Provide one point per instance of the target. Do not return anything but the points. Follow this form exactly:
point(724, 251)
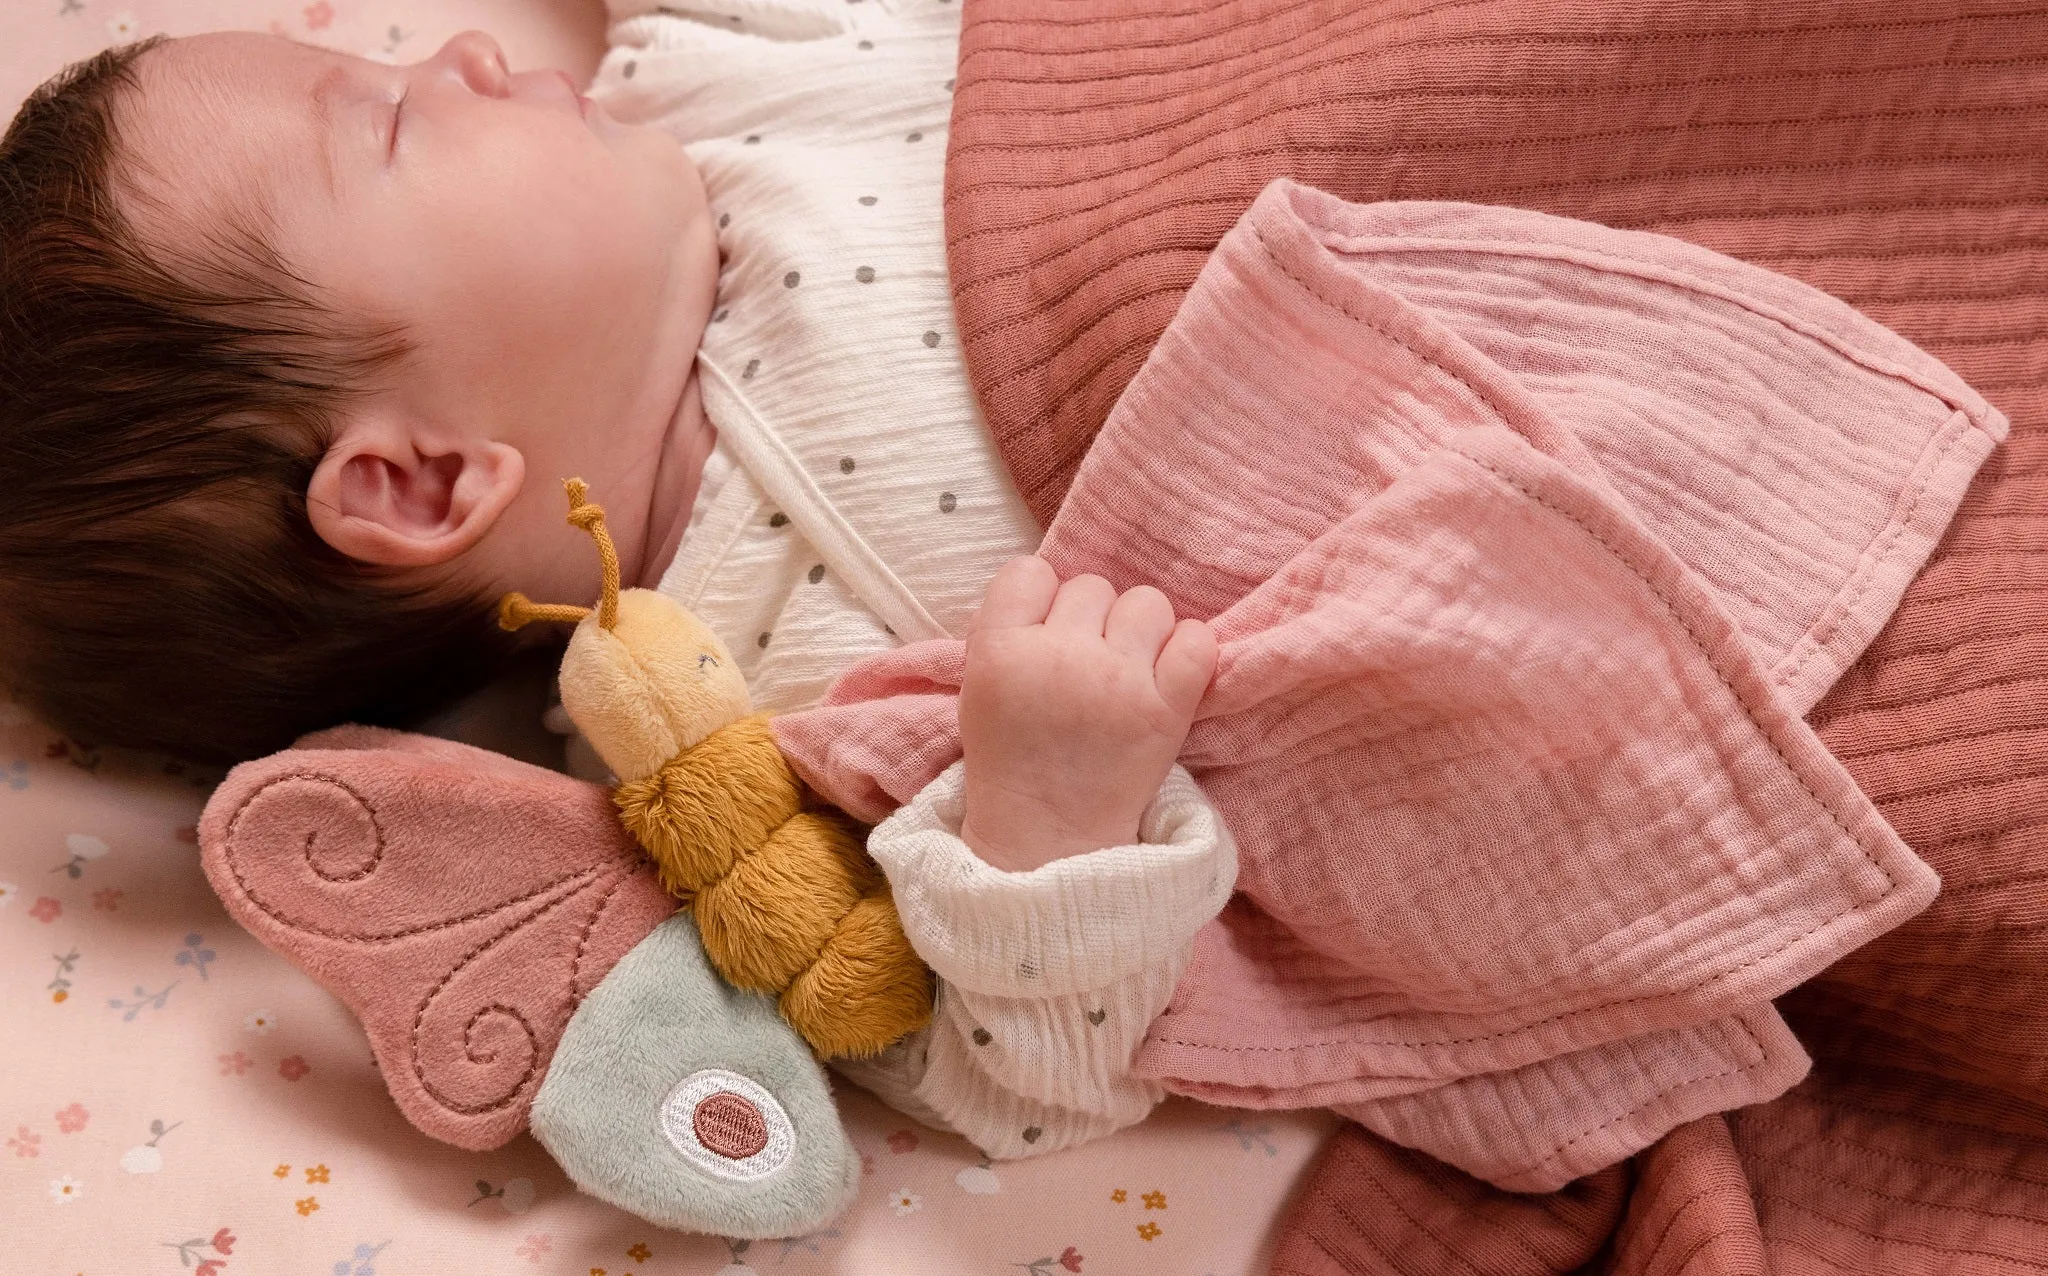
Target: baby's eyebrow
point(322, 105)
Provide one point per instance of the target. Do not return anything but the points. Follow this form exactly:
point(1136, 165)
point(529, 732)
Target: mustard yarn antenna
point(516, 610)
point(590, 517)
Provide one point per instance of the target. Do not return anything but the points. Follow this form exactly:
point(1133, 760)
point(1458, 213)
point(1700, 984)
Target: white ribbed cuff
point(1073, 925)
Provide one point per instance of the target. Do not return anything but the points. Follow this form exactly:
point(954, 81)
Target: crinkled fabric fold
point(1529, 543)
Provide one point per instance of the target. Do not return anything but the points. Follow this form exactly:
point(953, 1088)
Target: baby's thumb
point(1185, 666)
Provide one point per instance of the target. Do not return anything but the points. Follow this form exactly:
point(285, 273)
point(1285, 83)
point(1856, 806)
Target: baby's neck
point(676, 477)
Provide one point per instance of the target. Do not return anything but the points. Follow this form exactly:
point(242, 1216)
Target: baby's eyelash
point(396, 112)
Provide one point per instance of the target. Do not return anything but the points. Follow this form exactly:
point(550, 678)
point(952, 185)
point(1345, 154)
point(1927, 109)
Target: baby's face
point(552, 268)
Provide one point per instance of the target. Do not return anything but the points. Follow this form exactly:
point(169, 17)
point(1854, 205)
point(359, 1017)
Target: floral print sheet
point(175, 1098)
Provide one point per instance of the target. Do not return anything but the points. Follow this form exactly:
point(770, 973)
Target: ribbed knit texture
point(1890, 153)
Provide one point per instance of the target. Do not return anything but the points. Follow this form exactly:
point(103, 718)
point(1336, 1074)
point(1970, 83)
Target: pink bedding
point(173, 1095)
point(1529, 544)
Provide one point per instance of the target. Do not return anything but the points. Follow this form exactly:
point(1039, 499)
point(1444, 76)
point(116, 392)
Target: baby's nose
point(478, 60)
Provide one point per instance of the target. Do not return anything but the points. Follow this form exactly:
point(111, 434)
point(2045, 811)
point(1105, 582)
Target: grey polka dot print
point(753, 366)
point(627, 70)
point(931, 338)
point(948, 502)
point(778, 519)
point(866, 274)
point(915, 137)
point(753, 139)
point(865, 45)
point(869, 200)
point(792, 279)
point(724, 220)
point(846, 465)
point(762, 641)
point(817, 573)
point(981, 1037)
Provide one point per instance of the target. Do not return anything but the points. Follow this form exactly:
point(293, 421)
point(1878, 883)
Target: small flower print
point(259, 1022)
point(107, 899)
point(72, 1119)
point(143, 1158)
point(292, 1067)
point(60, 987)
point(1155, 1200)
point(281, 1172)
point(516, 1196)
point(46, 910)
point(979, 1180)
point(809, 1242)
point(359, 1263)
point(905, 1202)
point(319, 15)
point(152, 999)
point(306, 1205)
point(1068, 1258)
point(316, 1174)
point(1148, 1231)
point(903, 1142)
point(1118, 1196)
point(8, 890)
point(65, 1190)
point(1251, 1136)
point(26, 1143)
point(82, 847)
point(640, 1253)
point(536, 1247)
point(195, 954)
point(234, 1065)
point(121, 26)
point(189, 1252)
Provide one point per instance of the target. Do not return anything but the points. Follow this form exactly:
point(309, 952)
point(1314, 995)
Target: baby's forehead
point(219, 119)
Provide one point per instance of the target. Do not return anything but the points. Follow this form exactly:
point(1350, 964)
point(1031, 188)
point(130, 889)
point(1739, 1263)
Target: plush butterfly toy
point(511, 941)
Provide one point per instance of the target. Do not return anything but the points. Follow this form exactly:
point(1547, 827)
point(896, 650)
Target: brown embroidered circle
point(730, 1125)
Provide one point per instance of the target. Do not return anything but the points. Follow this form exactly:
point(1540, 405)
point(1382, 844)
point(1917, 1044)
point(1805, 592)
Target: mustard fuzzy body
point(787, 900)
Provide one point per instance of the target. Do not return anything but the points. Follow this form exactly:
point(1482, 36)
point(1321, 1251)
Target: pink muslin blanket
point(1529, 543)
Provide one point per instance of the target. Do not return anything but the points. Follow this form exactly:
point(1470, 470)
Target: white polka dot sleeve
point(1049, 979)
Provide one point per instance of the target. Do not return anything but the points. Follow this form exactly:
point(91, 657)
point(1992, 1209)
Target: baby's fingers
point(1139, 624)
point(1020, 594)
point(1185, 666)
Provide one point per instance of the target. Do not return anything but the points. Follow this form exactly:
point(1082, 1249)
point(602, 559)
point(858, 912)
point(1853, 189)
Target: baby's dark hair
point(160, 583)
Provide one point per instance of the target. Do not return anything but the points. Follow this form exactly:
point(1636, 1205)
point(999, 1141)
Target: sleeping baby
point(299, 347)
point(1524, 546)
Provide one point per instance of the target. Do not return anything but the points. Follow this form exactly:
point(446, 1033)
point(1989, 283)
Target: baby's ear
point(393, 494)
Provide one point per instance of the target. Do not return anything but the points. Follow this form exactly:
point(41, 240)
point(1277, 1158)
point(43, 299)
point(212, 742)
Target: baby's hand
point(1073, 706)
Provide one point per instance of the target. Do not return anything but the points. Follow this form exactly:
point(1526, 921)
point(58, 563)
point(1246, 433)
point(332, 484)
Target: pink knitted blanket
point(1530, 543)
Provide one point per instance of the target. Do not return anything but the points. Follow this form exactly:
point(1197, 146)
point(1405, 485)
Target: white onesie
point(855, 501)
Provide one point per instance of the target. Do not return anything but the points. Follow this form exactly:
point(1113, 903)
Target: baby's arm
point(1060, 936)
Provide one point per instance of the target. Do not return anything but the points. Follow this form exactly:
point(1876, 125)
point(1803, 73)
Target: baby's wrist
point(1018, 836)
